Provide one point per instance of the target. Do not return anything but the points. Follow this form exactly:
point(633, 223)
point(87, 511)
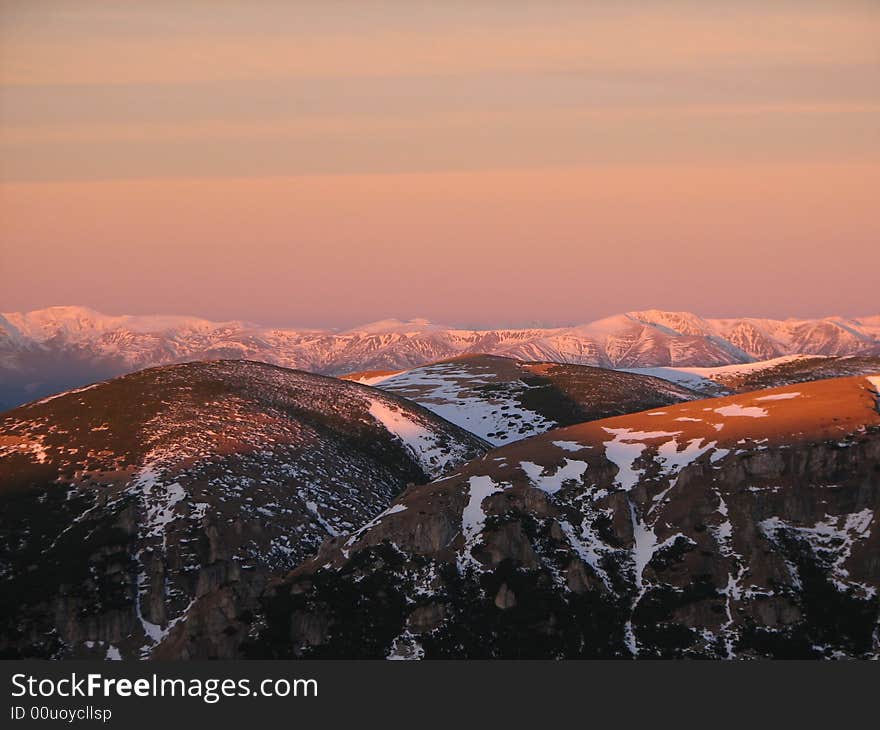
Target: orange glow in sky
point(476, 163)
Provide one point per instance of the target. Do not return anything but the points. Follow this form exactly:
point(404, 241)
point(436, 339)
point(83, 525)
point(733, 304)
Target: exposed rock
point(505, 598)
point(426, 618)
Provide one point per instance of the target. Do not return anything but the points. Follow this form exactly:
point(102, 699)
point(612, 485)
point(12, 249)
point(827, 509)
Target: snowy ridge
point(503, 400)
point(30, 342)
point(471, 396)
point(430, 447)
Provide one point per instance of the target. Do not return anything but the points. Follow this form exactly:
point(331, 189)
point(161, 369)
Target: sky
point(474, 163)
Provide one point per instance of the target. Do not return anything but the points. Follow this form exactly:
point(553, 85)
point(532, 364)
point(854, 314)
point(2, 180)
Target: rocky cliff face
point(744, 526)
point(122, 503)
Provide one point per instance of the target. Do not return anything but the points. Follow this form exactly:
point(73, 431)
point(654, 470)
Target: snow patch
point(625, 449)
point(736, 409)
point(831, 539)
point(328, 528)
point(158, 499)
point(426, 446)
point(473, 518)
point(569, 445)
point(66, 392)
point(779, 396)
point(645, 547)
point(471, 398)
point(552, 483)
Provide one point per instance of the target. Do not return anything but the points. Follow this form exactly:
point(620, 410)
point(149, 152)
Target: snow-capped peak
point(113, 345)
point(395, 326)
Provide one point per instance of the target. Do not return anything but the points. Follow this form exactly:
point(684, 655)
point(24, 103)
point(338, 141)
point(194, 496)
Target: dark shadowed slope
point(503, 400)
point(740, 527)
point(123, 501)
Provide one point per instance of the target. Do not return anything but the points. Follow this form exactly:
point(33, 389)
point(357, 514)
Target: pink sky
point(477, 163)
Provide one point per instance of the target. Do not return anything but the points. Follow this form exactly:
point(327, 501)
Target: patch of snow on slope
point(425, 445)
point(625, 449)
point(552, 483)
point(735, 409)
point(674, 460)
point(159, 500)
point(569, 446)
point(779, 396)
point(454, 392)
point(718, 455)
point(328, 528)
point(831, 539)
point(473, 518)
point(33, 446)
point(706, 379)
point(645, 547)
point(66, 392)
point(406, 647)
point(589, 546)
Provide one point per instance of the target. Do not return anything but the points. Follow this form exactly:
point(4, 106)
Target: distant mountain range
point(49, 350)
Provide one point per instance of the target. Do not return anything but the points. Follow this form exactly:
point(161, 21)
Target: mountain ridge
point(48, 350)
point(503, 400)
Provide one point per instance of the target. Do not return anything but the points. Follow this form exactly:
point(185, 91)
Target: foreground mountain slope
point(741, 527)
point(46, 350)
point(123, 501)
point(785, 370)
point(503, 400)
